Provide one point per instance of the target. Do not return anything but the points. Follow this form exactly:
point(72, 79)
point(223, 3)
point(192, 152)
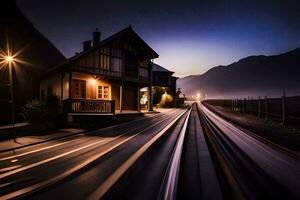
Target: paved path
point(33, 168)
point(9, 144)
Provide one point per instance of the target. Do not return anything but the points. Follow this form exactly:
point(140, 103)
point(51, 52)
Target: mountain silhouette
point(252, 76)
point(38, 53)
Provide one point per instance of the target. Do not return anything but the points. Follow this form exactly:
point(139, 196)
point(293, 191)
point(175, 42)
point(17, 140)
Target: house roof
point(158, 68)
point(125, 31)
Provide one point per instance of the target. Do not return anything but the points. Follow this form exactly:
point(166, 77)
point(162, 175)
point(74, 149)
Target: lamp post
point(9, 60)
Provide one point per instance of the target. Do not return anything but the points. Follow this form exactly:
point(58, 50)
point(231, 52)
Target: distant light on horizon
point(198, 96)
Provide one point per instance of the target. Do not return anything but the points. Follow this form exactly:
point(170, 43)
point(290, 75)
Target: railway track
point(177, 165)
point(198, 159)
point(252, 169)
point(183, 154)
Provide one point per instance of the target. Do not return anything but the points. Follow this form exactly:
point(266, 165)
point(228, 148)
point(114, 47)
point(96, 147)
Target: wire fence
point(284, 109)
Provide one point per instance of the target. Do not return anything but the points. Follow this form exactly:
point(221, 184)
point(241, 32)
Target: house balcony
point(97, 71)
point(89, 106)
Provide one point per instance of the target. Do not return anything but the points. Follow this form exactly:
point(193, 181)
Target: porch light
point(92, 81)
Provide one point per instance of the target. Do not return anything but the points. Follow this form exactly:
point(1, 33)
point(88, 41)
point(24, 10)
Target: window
point(116, 66)
point(104, 62)
point(104, 58)
point(116, 62)
point(144, 73)
point(131, 64)
point(78, 88)
point(116, 52)
point(103, 92)
point(162, 78)
point(144, 63)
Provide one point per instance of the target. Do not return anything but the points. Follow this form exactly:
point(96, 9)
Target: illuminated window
point(78, 89)
point(103, 92)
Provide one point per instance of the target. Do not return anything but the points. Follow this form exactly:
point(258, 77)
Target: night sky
point(189, 36)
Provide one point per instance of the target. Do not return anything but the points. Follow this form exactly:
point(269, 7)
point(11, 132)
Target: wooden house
point(105, 78)
point(162, 77)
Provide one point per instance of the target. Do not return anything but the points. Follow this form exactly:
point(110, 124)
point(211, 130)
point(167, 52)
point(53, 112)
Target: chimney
point(96, 37)
point(87, 45)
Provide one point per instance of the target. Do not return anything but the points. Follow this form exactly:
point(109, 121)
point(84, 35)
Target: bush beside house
point(42, 111)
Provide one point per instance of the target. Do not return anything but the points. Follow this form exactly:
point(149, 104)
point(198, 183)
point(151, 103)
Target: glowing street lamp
point(10, 59)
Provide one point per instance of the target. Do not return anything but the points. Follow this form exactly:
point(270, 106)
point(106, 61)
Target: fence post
point(241, 102)
point(113, 110)
point(283, 108)
point(248, 106)
point(235, 105)
point(259, 107)
point(266, 107)
point(251, 105)
point(245, 105)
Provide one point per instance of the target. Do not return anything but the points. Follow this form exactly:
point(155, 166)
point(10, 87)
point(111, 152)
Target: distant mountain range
point(252, 76)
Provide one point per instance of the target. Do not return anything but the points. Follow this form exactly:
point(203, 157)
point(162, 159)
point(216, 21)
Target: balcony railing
point(89, 106)
point(97, 71)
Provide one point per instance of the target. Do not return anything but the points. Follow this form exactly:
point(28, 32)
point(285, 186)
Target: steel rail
point(170, 183)
point(113, 178)
point(251, 179)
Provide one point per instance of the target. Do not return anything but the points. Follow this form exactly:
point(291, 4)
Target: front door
point(129, 98)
